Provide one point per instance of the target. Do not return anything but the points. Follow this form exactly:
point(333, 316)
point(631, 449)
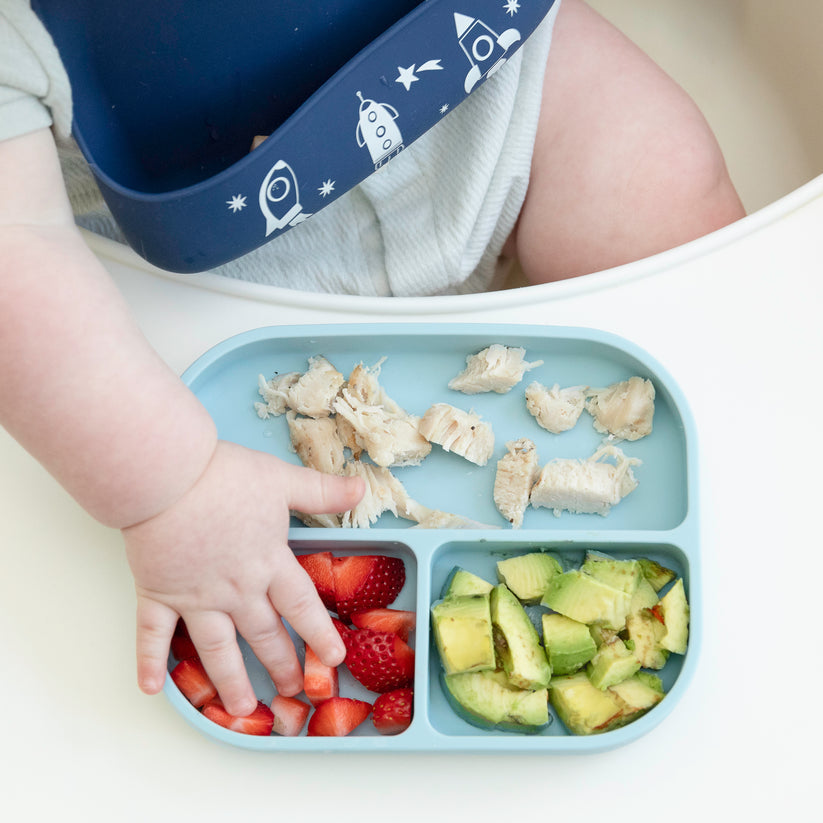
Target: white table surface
point(736, 321)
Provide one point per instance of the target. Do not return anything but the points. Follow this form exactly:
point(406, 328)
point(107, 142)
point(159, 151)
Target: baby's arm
point(204, 522)
point(625, 166)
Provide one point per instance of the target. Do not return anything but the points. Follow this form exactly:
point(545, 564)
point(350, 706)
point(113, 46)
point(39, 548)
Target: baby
point(605, 162)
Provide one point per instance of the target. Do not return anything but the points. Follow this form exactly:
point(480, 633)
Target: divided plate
point(658, 520)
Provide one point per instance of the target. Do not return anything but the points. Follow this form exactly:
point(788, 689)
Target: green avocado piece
point(624, 575)
point(569, 645)
point(588, 600)
point(644, 597)
point(674, 608)
point(582, 707)
point(657, 574)
point(613, 663)
point(528, 575)
point(462, 581)
point(646, 632)
point(462, 629)
point(516, 641)
point(485, 700)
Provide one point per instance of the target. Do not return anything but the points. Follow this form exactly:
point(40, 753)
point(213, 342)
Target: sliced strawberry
point(381, 661)
point(392, 712)
point(290, 715)
point(320, 682)
point(191, 678)
point(338, 717)
point(341, 627)
point(259, 722)
point(397, 621)
point(181, 644)
point(366, 582)
point(318, 566)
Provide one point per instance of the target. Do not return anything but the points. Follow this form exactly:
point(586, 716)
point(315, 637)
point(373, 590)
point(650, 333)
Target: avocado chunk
point(624, 575)
point(462, 630)
point(461, 581)
point(569, 645)
point(584, 598)
point(582, 707)
point(613, 663)
point(646, 631)
point(484, 700)
point(638, 693)
point(674, 608)
point(528, 575)
point(658, 575)
point(516, 641)
point(644, 597)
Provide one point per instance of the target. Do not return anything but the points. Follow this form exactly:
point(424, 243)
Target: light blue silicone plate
point(658, 520)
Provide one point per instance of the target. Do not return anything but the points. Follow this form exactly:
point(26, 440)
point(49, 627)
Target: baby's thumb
point(314, 492)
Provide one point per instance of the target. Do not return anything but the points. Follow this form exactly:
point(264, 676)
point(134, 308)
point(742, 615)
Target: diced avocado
point(484, 700)
point(569, 644)
point(462, 630)
point(619, 574)
point(674, 608)
point(584, 598)
point(583, 708)
point(646, 632)
point(659, 576)
point(461, 581)
point(516, 641)
point(601, 635)
point(640, 692)
point(528, 575)
point(613, 663)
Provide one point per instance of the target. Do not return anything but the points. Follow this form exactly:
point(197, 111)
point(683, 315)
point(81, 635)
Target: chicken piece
point(556, 410)
point(363, 384)
point(497, 368)
point(317, 442)
point(589, 486)
point(623, 410)
point(458, 431)
point(384, 492)
point(436, 519)
point(389, 440)
point(319, 521)
point(314, 393)
point(516, 472)
point(275, 394)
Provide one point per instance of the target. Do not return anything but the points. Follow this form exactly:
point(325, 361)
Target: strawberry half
point(320, 682)
point(397, 621)
point(380, 661)
point(290, 715)
point(318, 566)
point(338, 717)
point(181, 644)
point(259, 722)
point(366, 581)
point(392, 712)
point(190, 677)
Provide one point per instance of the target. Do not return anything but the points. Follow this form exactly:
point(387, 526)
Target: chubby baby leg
point(625, 165)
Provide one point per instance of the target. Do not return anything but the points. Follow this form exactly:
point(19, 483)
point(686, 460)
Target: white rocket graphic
point(377, 130)
point(485, 49)
point(279, 198)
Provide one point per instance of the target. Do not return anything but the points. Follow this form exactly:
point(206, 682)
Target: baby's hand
point(219, 559)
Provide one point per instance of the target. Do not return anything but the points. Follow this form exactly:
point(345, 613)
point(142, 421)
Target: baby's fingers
point(314, 492)
point(215, 639)
point(155, 627)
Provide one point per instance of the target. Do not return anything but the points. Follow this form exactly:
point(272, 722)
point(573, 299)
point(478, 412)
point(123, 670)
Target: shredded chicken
point(314, 393)
point(317, 442)
point(590, 486)
point(624, 410)
point(516, 472)
point(556, 410)
point(497, 368)
point(458, 431)
point(384, 492)
point(275, 394)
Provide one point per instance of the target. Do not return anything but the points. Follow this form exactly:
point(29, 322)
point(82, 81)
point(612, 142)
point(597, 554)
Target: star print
point(511, 7)
point(406, 76)
point(327, 188)
point(444, 108)
point(237, 203)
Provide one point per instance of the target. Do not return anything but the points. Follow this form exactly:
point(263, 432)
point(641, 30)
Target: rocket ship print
point(279, 198)
point(485, 49)
point(378, 131)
